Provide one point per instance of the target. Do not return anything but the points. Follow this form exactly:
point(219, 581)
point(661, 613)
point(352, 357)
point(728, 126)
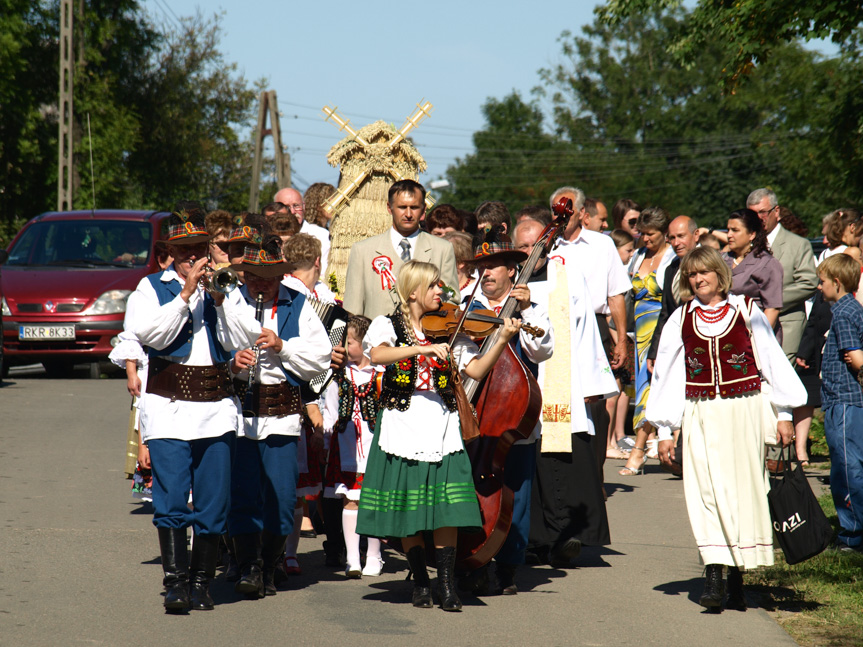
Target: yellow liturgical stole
point(557, 386)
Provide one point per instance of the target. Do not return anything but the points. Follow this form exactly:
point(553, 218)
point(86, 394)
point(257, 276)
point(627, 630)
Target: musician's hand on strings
point(521, 293)
point(193, 279)
point(243, 360)
point(509, 329)
point(269, 339)
point(441, 351)
point(339, 358)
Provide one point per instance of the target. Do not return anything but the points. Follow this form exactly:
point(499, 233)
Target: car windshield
point(83, 243)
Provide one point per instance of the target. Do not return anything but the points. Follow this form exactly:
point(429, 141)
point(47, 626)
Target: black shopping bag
point(801, 526)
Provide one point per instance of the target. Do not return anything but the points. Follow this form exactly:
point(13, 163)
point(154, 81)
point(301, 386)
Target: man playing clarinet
point(282, 344)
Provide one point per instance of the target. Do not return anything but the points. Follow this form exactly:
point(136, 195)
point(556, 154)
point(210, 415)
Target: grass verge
point(818, 602)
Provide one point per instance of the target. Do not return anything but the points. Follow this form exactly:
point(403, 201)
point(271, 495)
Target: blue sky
point(377, 60)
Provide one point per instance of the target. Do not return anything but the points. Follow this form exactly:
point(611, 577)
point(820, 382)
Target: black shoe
point(175, 566)
point(561, 556)
point(205, 553)
point(736, 600)
point(506, 579)
point(445, 558)
point(272, 555)
point(247, 549)
point(476, 582)
point(714, 588)
point(421, 596)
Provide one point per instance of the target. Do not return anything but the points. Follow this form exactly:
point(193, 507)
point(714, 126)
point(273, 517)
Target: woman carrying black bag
point(716, 353)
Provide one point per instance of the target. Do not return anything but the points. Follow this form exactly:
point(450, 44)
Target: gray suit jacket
point(799, 282)
point(363, 293)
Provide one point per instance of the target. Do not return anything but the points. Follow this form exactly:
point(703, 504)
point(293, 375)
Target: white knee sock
point(294, 538)
point(352, 539)
point(374, 549)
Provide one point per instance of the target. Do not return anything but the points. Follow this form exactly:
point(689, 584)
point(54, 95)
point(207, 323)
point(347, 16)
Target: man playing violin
point(496, 260)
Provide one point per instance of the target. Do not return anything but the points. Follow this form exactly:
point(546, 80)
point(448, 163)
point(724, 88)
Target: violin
point(477, 323)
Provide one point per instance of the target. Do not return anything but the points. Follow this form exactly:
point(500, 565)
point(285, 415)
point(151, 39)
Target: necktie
point(406, 250)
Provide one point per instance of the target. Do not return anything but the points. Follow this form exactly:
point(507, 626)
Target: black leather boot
point(476, 582)
point(714, 588)
point(422, 596)
point(445, 558)
point(205, 553)
point(232, 569)
point(736, 599)
point(272, 552)
point(506, 579)
point(175, 566)
point(247, 549)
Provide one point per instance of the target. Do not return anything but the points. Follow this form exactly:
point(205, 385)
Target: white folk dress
point(724, 477)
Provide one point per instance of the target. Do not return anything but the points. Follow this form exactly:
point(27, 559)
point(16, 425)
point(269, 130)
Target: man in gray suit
point(798, 263)
point(374, 263)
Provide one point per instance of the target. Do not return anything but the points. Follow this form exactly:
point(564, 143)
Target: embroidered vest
point(723, 364)
point(288, 311)
point(347, 400)
point(399, 379)
point(167, 291)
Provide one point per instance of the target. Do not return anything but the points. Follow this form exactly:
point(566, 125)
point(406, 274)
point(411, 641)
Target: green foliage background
point(621, 114)
point(165, 111)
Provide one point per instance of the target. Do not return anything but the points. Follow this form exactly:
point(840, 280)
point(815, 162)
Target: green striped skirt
point(402, 497)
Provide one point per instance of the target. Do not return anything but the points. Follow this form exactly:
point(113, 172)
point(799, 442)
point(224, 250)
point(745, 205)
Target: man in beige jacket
point(374, 263)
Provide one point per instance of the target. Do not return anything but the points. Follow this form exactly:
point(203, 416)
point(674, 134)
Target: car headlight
point(111, 302)
point(6, 311)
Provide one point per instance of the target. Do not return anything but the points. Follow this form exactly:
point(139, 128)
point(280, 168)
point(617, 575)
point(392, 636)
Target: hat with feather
point(263, 258)
point(186, 225)
point(497, 247)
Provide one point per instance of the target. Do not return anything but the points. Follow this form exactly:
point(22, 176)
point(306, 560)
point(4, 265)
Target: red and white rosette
point(383, 265)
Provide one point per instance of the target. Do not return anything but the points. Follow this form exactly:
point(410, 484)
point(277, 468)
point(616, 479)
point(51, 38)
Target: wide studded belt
point(269, 400)
point(189, 383)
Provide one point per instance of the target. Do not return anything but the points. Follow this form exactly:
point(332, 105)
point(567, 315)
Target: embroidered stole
point(557, 385)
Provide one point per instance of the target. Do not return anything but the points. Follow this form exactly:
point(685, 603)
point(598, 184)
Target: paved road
point(80, 560)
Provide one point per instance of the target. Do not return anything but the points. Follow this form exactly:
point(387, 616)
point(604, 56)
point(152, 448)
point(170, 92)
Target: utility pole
point(64, 138)
point(269, 106)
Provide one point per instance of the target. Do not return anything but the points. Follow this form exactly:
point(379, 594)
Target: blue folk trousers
point(843, 429)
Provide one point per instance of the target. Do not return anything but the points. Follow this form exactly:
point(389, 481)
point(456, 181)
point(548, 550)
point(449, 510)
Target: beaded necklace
point(712, 317)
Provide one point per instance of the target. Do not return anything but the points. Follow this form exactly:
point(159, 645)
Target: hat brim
point(264, 271)
point(188, 240)
point(501, 257)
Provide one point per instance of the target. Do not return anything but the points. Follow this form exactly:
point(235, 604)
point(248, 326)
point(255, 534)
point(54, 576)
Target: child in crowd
point(618, 444)
point(842, 397)
point(356, 402)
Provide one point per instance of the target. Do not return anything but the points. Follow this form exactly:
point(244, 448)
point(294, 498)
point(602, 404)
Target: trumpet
point(221, 280)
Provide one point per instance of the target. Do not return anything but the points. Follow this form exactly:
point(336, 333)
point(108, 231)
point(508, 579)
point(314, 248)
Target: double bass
point(508, 402)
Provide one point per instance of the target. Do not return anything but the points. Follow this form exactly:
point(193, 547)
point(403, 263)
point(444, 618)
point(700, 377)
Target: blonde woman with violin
point(418, 476)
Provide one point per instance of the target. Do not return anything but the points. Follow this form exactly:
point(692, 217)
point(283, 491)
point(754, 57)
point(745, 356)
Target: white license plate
point(45, 333)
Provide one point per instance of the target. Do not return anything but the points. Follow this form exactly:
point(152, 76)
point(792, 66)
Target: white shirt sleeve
point(308, 354)
point(380, 331)
point(668, 386)
point(158, 325)
point(537, 349)
point(788, 391)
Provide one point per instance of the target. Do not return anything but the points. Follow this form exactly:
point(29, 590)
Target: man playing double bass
point(496, 261)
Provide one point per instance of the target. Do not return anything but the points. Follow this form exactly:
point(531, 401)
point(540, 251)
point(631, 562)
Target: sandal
point(634, 471)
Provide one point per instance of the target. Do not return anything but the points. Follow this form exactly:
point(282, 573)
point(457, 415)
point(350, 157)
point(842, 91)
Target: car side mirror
point(4, 256)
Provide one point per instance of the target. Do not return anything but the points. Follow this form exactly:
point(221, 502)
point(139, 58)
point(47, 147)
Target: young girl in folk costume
point(418, 476)
point(715, 355)
point(354, 398)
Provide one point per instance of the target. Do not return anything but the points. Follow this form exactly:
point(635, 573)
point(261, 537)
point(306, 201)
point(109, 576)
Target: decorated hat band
point(498, 251)
point(185, 230)
point(244, 234)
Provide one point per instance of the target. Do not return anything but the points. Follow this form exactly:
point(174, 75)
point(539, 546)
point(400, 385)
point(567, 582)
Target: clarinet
point(248, 403)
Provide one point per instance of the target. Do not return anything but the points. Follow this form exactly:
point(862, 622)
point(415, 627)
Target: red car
point(65, 283)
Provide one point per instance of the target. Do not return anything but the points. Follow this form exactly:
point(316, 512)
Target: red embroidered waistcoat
point(723, 364)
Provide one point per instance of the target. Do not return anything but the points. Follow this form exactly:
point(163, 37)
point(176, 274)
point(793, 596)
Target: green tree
point(516, 160)
point(168, 116)
point(747, 32)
